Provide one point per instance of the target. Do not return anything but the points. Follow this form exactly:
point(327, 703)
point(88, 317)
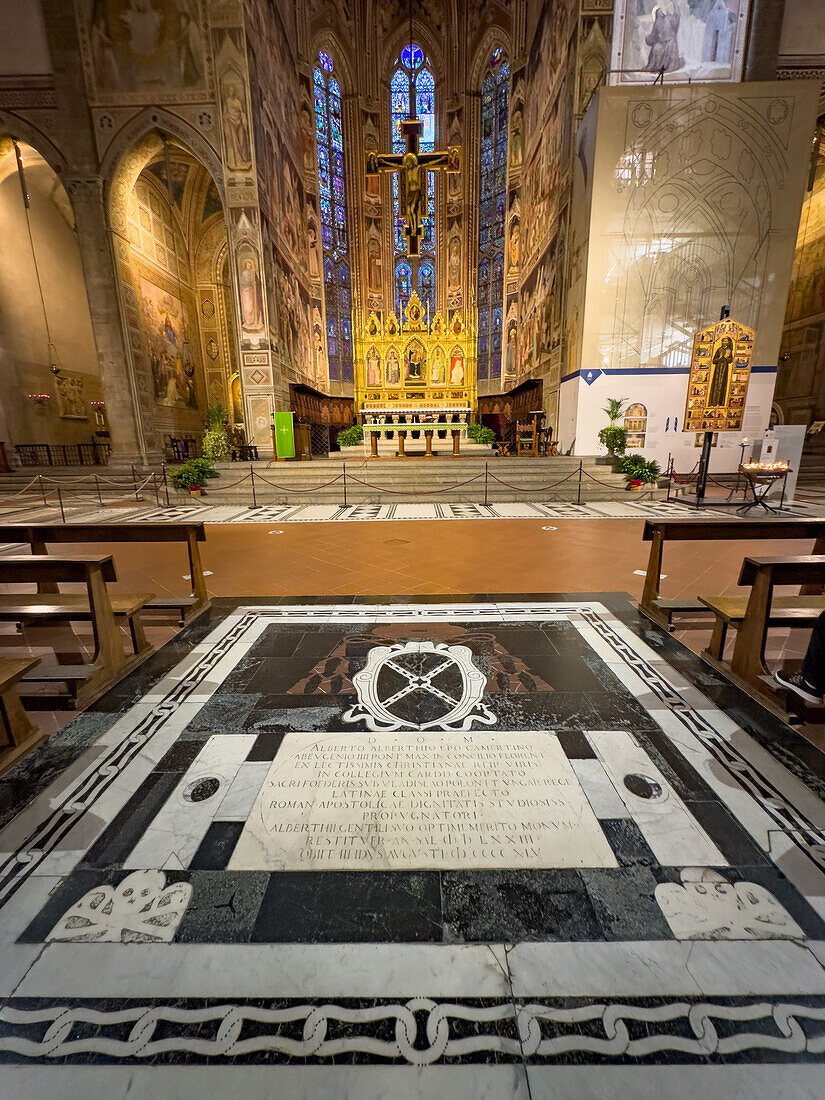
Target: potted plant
point(192, 474)
point(351, 437)
point(613, 438)
point(639, 471)
point(215, 442)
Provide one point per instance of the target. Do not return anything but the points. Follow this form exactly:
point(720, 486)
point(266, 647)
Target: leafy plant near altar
point(351, 436)
point(192, 474)
point(613, 438)
point(215, 442)
point(479, 434)
point(640, 469)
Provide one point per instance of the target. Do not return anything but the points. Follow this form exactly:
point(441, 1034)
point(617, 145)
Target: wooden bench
point(188, 607)
point(17, 734)
point(658, 532)
point(753, 615)
point(85, 682)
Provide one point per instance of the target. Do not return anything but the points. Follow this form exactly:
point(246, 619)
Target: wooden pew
point(754, 614)
point(17, 734)
point(188, 607)
point(85, 682)
point(658, 532)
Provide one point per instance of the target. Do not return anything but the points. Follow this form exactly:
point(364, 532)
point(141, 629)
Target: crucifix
point(412, 167)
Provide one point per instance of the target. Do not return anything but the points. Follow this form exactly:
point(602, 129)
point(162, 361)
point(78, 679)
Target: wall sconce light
point(98, 404)
point(39, 398)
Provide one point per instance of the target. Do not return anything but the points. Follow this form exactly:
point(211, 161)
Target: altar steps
point(467, 479)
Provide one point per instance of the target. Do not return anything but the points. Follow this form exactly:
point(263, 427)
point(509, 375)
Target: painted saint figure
point(393, 369)
point(142, 24)
point(373, 370)
point(722, 363)
point(252, 305)
point(412, 365)
point(236, 134)
point(457, 370)
point(663, 42)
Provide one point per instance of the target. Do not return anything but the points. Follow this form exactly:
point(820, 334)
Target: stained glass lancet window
point(333, 209)
point(412, 272)
point(492, 214)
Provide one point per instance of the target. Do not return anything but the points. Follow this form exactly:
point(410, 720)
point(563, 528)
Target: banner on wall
point(720, 371)
point(284, 435)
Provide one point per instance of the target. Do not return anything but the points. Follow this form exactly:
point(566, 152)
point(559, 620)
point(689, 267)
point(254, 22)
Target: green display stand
point(283, 435)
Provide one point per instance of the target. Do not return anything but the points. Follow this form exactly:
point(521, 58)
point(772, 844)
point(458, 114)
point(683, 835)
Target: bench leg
point(748, 661)
point(16, 725)
point(139, 642)
point(716, 645)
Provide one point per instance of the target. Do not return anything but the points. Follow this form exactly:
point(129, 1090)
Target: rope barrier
point(542, 489)
point(220, 488)
point(606, 484)
point(285, 489)
point(427, 492)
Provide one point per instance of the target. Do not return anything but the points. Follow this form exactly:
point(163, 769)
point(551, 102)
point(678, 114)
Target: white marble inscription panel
point(409, 801)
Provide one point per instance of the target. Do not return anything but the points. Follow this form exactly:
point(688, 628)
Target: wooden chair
point(526, 441)
point(188, 607)
point(658, 532)
point(85, 681)
point(17, 734)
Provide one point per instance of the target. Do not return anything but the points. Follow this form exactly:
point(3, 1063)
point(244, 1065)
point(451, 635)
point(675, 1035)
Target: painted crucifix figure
point(412, 167)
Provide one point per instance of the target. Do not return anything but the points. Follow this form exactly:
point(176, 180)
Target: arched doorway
point(50, 386)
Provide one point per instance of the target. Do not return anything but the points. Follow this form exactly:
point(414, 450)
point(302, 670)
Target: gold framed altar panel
point(415, 364)
point(720, 372)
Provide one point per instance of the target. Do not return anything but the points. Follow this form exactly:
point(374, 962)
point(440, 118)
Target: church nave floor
point(494, 847)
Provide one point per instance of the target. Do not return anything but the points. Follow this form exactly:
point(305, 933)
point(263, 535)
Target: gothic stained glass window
point(333, 211)
point(412, 61)
point(492, 214)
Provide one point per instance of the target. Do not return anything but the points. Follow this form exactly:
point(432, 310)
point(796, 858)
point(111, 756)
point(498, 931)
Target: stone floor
point(493, 846)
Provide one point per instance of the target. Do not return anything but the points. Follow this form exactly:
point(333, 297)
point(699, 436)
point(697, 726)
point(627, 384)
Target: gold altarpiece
point(416, 366)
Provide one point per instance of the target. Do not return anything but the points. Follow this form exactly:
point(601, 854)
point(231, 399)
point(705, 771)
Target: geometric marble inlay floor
point(496, 846)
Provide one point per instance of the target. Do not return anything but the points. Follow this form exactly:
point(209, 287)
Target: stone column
point(84, 185)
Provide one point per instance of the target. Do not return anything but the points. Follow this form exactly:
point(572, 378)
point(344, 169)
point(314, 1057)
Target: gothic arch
point(137, 143)
point(328, 41)
point(494, 38)
point(19, 128)
point(421, 35)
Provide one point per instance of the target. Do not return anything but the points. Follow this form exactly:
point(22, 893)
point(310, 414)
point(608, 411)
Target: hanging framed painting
point(720, 371)
point(678, 41)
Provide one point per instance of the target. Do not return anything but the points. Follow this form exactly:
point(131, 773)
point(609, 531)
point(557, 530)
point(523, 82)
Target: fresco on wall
point(685, 39)
point(287, 210)
point(70, 403)
point(167, 329)
point(138, 46)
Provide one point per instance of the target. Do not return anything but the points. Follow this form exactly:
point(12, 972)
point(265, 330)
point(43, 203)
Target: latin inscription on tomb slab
point(408, 801)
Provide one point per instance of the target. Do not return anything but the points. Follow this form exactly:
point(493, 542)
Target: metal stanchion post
point(166, 484)
point(579, 494)
point(42, 490)
point(97, 486)
point(157, 488)
point(485, 483)
point(344, 468)
point(252, 475)
point(60, 502)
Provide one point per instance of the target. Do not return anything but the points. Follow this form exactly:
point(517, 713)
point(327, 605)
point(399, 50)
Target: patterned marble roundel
point(420, 685)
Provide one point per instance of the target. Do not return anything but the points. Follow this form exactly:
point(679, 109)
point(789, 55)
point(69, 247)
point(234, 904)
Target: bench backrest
point(100, 532)
point(77, 568)
point(803, 569)
point(688, 530)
